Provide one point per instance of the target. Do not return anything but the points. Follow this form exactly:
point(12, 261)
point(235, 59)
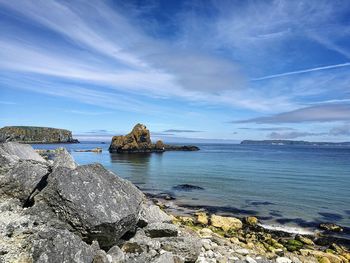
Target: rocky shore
point(29, 134)
point(139, 141)
point(57, 211)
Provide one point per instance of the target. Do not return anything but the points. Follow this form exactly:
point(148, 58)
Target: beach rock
point(63, 159)
point(161, 230)
point(324, 260)
point(28, 134)
point(152, 214)
point(57, 246)
point(226, 223)
point(331, 227)
point(283, 260)
point(115, 254)
point(187, 187)
point(100, 257)
point(202, 218)
point(96, 203)
point(23, 179)
point(186, 247)
point(251, 220)
point(304, 240)
point(293, 245)
point(319, 255)
point(186, 148)
point(14, 152)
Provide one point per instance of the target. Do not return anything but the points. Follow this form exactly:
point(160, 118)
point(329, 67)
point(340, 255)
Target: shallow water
point(289, 186)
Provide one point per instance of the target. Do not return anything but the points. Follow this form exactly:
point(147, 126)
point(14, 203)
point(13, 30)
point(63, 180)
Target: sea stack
point(139, 141)
point(29, 134)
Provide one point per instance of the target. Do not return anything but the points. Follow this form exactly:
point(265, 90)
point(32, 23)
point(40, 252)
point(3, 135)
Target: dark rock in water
point(189, 148)
point(28, 134)
point(95, 202)
point(139, 141)
point(57, 246)
point(187, 187)
point(331, 227)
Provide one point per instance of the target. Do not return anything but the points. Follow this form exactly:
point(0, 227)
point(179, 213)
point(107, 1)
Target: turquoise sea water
point(288, 186)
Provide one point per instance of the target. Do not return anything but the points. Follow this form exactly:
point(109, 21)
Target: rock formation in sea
point(28, 134)
point(54, 211)
point(139, 141)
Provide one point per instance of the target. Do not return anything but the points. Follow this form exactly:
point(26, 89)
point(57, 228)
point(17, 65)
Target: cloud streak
point(180, 131)
point(317, 113)
point(303, 71)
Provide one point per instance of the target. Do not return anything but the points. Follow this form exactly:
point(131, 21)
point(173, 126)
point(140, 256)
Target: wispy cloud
point(180, 131)
point(302, 71)
point(343, 130)
point(318, 113)
point(268, 129)
point(292, 135)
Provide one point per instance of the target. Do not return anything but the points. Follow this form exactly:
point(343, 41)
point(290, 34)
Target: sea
point(288, 187)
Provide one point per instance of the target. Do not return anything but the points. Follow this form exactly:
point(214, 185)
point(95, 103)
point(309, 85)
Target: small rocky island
point(139, 141)
point(33, 135)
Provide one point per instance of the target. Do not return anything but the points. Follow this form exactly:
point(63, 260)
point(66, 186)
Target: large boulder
point(96, 203)
point(23, 179)
point(13, 152)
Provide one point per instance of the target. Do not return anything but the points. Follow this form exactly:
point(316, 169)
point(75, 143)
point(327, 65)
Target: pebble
point(283, 260)
point(250, 260)
point(242, 251)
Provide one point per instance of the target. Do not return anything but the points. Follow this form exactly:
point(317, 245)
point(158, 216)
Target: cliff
point(28, 134)
point(290, 142)
point(139, 141)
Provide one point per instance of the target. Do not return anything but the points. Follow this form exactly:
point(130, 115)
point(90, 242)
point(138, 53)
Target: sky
point(189, 70)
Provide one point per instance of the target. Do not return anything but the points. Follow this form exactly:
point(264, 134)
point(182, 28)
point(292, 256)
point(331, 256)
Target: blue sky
point(199, 70)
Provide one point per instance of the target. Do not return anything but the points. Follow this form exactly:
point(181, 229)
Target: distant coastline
point(291, 142)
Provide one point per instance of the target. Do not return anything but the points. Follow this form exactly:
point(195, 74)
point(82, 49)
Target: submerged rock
point(187, 187)
point(95, 202)
point(331, 227)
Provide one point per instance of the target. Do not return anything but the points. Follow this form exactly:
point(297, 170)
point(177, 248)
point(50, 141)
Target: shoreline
point(173, 208)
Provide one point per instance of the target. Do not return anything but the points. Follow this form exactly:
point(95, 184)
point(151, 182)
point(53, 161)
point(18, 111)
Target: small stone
point(242, 251)
point(304, 240)
point(251, 220)
point(250, 260)
point(283, 260)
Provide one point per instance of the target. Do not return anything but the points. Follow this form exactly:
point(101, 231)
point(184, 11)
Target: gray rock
point(167, 257)
point(161, 230)
point(152, 214)
point(186, 247)
point(59, 246)
point(115, 254)
point(20, 151)
point(100, 257)
point(97, 204)
point(63, 159)
point(22, 180)
point(283, 260)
